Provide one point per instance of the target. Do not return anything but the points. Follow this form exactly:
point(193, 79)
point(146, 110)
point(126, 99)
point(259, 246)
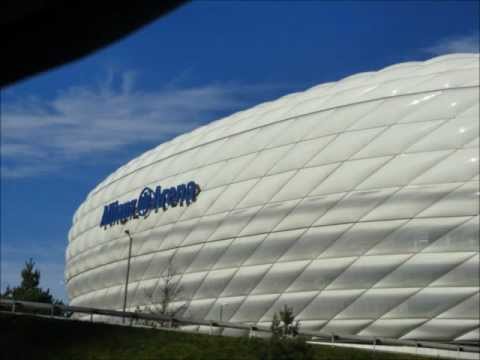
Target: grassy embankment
point(28, 337)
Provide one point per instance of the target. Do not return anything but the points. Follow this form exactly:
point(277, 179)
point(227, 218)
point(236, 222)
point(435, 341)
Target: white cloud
point(84, 122)
point(459, 44)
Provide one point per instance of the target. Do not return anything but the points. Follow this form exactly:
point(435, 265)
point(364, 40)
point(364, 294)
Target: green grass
point(28, 337)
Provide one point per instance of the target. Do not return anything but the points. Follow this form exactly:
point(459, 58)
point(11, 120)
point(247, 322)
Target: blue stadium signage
point(149, 200)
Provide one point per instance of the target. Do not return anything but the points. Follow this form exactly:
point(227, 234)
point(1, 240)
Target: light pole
point(127, 275)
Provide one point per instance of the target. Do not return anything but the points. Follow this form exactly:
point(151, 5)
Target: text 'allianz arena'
point(355, 202)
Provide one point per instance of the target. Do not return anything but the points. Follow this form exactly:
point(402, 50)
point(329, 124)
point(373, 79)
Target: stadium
point(355, 202)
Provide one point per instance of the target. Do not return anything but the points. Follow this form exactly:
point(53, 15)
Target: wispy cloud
point(41, 136)
point(459, 44)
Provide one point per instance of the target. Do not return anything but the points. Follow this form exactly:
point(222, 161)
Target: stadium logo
point(148, 201)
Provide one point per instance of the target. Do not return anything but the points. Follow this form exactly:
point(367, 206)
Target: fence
point(15, 306)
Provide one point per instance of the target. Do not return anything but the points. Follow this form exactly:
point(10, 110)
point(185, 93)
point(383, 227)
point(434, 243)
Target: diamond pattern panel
point(355, 202)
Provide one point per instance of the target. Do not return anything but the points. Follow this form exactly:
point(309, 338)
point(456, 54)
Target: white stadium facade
point(355, 202)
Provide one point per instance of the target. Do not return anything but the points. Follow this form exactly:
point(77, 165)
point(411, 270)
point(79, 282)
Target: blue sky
point(64, 131)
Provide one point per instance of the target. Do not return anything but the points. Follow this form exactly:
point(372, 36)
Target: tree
point(284, 343)
point(276, 326)
point(29, 289)
point(284, 324)
point(169, 291)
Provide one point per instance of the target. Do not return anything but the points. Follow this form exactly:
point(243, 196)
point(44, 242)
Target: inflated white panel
point(421, 269)
point(430, 302)
point(391, 328)
point(355, 202)
point(320, 273)
point(328, 304)
point(367, 271)
point(373, 303)
point(442, 329)
point(296, 300)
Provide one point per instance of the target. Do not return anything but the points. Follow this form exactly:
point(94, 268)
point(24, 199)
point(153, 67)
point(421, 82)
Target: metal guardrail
point(16, 305)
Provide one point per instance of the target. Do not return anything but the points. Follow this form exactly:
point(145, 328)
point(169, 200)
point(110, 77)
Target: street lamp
point(127, 275)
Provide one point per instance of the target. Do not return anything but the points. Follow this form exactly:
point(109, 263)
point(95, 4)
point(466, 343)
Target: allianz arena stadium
point(355, 202)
